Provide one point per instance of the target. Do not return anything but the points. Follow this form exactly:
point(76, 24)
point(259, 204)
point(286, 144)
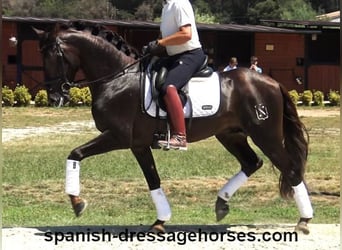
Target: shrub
point(7, 96)
point(307, 97)
point(86, 96)
point(80, 96)
point(41, 98)
point(334, 98)
point(318, 98)
point(22, 96)
point(294, 96)
point(75, 96)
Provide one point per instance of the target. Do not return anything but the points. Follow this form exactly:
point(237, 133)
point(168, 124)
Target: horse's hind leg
point(236, 143)
point(145, 159)
point(291, 180)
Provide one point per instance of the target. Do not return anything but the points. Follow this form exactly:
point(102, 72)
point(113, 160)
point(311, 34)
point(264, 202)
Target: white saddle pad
point(204, 93)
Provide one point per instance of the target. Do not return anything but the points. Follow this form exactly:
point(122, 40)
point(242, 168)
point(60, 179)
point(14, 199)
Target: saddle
point(159, 72)
point(200, 97)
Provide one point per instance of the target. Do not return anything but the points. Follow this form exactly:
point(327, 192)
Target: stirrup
point(176, 142)
point(166, 145)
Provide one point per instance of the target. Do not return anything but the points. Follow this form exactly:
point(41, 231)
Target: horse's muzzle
point(66, 87)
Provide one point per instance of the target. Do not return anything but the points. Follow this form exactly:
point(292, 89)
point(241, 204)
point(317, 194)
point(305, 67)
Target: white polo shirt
point(175, 14)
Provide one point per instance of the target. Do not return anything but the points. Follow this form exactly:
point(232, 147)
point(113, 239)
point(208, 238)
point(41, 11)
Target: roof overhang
point(307, 27)
point(298, 24)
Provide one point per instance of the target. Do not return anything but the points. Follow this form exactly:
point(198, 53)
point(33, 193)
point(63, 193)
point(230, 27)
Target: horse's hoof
point(158, 227)
point(302, 226)
point(221, 208)
point(78, 205)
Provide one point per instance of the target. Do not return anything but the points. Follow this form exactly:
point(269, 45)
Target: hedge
point(82, 96)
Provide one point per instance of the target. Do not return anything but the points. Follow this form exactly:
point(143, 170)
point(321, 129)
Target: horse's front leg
point(103, 143)
point(146, 161)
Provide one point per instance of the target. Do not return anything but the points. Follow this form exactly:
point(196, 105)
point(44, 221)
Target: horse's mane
point(106, 34)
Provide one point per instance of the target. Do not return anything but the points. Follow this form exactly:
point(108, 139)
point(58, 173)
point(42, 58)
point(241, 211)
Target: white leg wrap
point(161, 204)
point(72, 177)
point(303, 201)
point(232, 186)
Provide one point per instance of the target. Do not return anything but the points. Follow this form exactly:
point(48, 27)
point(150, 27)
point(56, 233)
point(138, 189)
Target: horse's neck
point(98, 58)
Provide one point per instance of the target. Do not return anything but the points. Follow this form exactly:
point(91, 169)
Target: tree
point(268, 9)
point(297, 10)
point(240, 9)
point(101, 9)
point(144, 12)
point(60, 8)
point(325, 6)
point(18, 7)
point(219, 11)
point(50, 8)
point(205, 18)
point(203, 12)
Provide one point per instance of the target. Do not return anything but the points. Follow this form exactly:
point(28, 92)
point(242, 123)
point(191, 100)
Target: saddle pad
point(204, 93)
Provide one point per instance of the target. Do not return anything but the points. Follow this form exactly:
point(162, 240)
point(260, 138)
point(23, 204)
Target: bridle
point(66, 85)
point(62, 77)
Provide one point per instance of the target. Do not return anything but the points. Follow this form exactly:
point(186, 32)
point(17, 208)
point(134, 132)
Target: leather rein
point(66, 85)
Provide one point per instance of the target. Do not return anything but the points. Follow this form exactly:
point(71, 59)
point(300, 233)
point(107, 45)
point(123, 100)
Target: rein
point(81, 83)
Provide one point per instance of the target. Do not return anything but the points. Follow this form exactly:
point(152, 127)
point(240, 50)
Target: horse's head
point(60, 63)
point(97, 51)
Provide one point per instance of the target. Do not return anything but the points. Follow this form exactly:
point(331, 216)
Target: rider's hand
point(154, 49)
point(153, 46)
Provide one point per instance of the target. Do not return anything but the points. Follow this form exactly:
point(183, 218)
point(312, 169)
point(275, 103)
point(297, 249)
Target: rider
point(180, 38)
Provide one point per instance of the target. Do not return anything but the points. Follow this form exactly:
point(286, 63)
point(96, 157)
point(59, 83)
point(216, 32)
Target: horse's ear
point(60, 26)
point(57, 28)
point(39, 32)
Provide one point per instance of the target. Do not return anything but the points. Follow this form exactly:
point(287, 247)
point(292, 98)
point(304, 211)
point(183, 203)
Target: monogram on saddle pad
point(200, 96)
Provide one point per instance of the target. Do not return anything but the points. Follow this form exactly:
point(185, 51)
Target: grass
point(33, 179)
point(20, 117)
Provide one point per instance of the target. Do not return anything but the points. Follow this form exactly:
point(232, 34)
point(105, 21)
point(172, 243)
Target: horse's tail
point(295, 142)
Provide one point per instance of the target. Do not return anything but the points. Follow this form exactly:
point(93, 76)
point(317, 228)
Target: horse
point(251, 105)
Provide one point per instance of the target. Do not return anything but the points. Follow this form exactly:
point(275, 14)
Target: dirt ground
point(318, 112)
point(9, 134)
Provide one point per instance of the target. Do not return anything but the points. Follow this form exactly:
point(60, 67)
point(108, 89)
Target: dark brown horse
point(252, 105)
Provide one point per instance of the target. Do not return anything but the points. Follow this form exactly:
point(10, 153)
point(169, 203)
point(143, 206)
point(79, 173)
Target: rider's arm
point(180, 37)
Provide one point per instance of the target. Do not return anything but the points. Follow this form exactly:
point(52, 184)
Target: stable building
point(300, 54)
